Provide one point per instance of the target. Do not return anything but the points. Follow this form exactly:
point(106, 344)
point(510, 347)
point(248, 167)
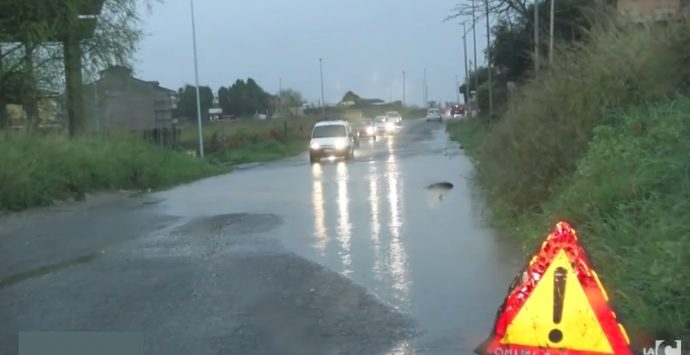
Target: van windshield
point(329, 131)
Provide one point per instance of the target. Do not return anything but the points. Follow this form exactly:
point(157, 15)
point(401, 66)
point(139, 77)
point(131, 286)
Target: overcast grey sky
point(365, 45)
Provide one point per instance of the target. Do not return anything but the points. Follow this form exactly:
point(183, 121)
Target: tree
point(244, 98)
point(186, 105)
point(29, 35)
point(289, 100)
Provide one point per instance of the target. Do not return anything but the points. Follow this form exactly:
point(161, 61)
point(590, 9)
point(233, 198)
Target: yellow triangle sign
point(578, 328)
point(558, 306)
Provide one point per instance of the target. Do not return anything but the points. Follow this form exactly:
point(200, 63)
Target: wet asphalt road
point(288, 258)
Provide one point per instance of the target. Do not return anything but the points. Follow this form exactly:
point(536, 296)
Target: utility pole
point(323, 101)
point(474, 34)
point(280, 84)
point(488, 59)
point(551, 30)
point(426, 91)
point(536, 36)
point(467, 75)
point(403, 101)
point(457, 90)
point(196, 79)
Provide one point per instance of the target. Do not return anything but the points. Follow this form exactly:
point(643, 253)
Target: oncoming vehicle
point(332, 139)
point(385, 125)
point(395, 117)
point(365, 128)
point(380, 124)
point(434, 114)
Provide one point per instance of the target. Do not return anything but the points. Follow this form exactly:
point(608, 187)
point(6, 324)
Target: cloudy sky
point(365, 46)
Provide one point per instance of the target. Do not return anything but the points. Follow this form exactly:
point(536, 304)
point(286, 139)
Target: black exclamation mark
point(559, 279)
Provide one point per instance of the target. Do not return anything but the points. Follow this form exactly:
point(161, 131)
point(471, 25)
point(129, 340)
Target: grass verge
point(250, 140)
point(35, 171)
point(629, 198)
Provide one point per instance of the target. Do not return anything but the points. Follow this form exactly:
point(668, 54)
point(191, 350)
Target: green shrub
point(630, 196)
point(37, 170)
point(549, 123)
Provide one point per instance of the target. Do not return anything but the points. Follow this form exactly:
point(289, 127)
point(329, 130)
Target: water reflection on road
point(344, 223)
point(432, 258)
point(320, 231)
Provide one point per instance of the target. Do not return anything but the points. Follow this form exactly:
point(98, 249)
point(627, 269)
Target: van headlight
point(315, 146)
point(390, 126)
point(340, 144)
point(370, 130)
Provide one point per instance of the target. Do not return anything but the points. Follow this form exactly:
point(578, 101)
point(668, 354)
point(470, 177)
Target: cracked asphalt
point(386, 254)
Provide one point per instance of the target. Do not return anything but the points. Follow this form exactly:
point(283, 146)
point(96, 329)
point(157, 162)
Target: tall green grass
point(602, 139)
point(36, 170)
point(548, 125)
point(629, 199)
point(251, 140)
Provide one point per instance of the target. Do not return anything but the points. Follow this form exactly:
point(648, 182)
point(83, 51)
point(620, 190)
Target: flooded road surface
point(367, 256)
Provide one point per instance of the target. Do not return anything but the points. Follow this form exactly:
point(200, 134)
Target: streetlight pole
point(488, 59)
point(196, 79)
point(323, 101)
point(403, 101)
point(551, 30)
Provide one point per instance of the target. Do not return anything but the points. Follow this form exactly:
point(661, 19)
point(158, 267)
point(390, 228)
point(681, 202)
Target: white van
point(332, 139)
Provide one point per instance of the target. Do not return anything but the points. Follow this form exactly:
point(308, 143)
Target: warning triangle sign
point(557, 306)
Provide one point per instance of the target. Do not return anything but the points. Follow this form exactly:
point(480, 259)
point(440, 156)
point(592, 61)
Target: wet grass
point(601, 140)
point(251, 140)
point(36, 170)
point(629, 199)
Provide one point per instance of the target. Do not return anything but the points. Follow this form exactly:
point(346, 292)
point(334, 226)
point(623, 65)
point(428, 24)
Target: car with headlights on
point(332, 139)
point(385, 125)
point(395, 117)
point(365, 128)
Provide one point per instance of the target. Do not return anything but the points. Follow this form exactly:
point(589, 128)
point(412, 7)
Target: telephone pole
point(323, 100)
point(403, 100)
point(474, 34)
point(536, 36)
point(488, 59)
point(551, 30)
point(426, 91)
point(467, 75)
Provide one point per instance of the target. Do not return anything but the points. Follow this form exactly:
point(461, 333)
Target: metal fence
point(166, 137)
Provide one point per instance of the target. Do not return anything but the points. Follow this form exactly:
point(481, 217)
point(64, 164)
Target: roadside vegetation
point(36, 170)
point(600, 138)
point(251, 140)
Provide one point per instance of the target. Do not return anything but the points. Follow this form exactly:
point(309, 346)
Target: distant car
point(434, 114)
point(332, 139)
point(380, 124)
point(395, 116)
point(385, 125)
point(457, 111)
point(365, 127)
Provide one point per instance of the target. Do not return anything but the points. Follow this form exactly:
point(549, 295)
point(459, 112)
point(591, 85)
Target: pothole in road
point(440, 188)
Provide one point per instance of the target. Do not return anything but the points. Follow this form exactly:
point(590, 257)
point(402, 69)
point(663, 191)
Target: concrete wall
point(123, 103)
